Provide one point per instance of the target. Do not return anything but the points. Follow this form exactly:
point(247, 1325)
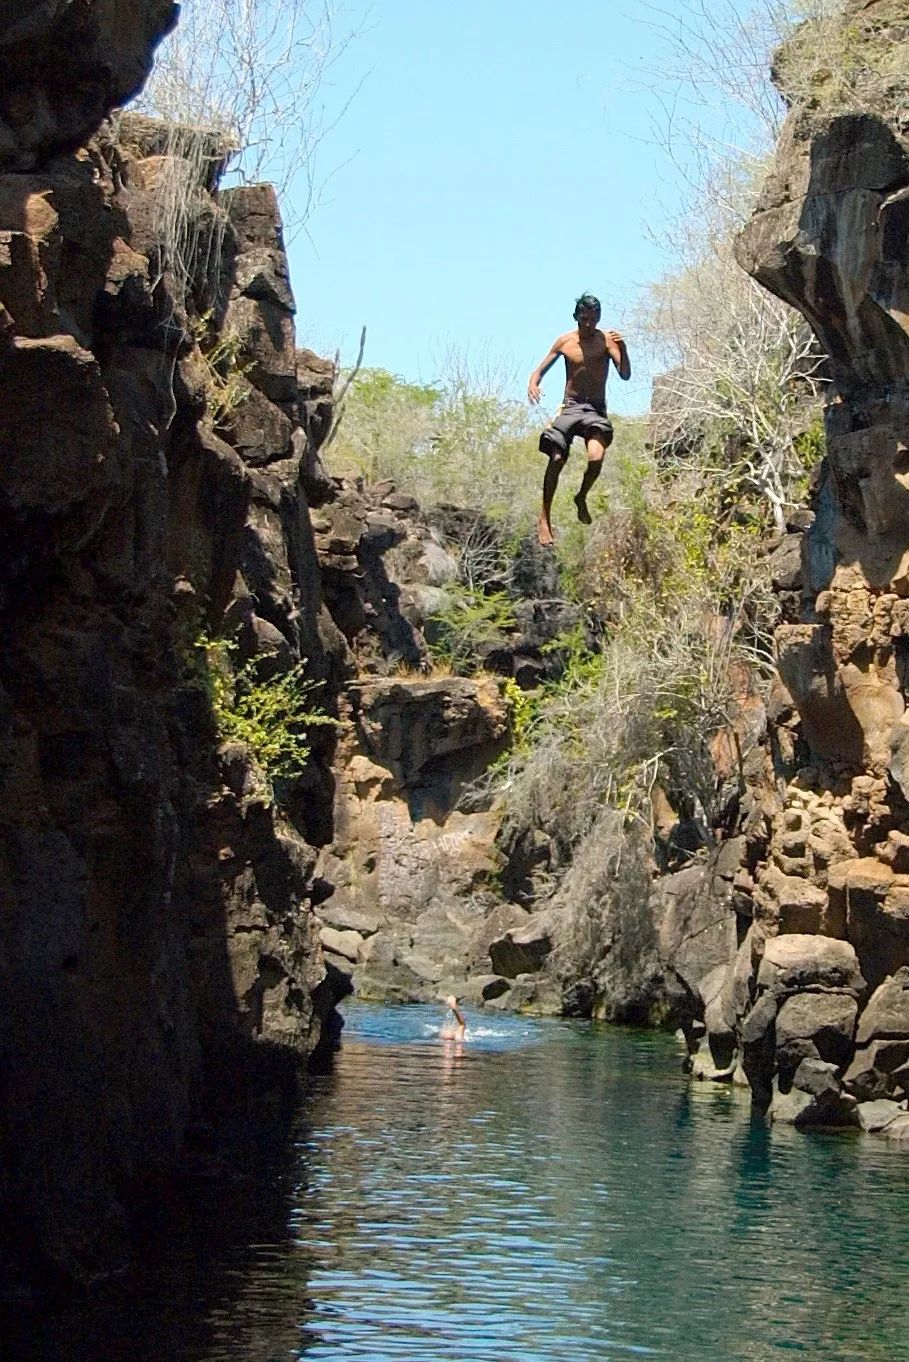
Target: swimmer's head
point(451, 1000)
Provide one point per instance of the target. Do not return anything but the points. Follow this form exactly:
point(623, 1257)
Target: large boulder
point(790, 904)
point(875, 900)
point(64, 66)
point(873, 1072)
point(804, 1007)
point(417, 727)
point(876, 1116)
point(697, 932)
point(757, 1040)
point(497, 926)
point(522, 950)
point(815, 1098)
point(815, 1026)
point(346, 944)
point(882, 1042)
point(797, 961)
point(721, 1038)
point(886, 1016)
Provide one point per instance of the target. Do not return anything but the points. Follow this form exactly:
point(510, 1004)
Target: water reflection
point(539, 1192)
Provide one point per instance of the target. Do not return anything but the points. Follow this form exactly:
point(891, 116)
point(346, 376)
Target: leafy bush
point(446, 442)
point(468, 625)
point(385, 429)
point(272, 716)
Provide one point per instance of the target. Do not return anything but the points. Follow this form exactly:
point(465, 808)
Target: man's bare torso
point(586, 366)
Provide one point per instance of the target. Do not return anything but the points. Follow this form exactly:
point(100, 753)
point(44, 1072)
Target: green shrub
point(523, 712)
point(468, 625)
point(272, 716)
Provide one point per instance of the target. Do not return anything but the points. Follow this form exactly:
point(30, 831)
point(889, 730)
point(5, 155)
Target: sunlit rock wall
point(829, 236)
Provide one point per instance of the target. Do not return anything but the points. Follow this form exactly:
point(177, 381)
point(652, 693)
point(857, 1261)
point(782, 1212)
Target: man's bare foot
point(544, 533)
point(583, 514)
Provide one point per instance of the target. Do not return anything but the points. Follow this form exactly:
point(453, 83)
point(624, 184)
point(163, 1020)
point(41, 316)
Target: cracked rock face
point(64, 64)
point(813, 1005)
point(157, 940)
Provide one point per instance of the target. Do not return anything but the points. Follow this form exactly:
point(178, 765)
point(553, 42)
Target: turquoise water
point(545, 1191)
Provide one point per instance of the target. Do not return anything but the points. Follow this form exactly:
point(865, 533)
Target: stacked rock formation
point(813, 1006)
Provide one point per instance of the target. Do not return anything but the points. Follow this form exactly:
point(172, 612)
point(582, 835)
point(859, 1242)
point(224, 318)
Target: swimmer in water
point(454, 1030)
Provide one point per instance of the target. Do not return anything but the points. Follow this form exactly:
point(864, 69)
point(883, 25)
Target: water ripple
point(550, 1192)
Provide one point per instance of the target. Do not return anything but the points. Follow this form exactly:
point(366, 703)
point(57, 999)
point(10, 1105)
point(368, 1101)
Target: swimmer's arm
point(459, 1017)
point(533, 385)
point(618, 353)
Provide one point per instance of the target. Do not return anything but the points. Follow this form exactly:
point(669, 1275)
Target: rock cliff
point(64, 64)
point(822, 886)
point(152, 894)
point(169, 530)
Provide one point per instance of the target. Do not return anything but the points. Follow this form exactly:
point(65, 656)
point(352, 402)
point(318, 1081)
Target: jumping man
point(586, 352)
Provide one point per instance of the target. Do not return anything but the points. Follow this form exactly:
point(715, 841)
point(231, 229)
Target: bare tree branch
point(253, 71)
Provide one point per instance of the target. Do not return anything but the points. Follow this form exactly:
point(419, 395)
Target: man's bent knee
point(600, 437)
point(552, 442)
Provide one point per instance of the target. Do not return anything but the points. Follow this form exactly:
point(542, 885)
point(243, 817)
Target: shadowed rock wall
point(159, 950)
point(157, 945)
point(64, 64)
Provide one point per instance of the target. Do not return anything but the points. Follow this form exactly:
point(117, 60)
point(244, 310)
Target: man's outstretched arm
point(533, 383)
point(618, 353)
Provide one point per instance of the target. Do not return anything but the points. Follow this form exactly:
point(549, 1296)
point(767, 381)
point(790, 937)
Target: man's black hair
point(585, 302)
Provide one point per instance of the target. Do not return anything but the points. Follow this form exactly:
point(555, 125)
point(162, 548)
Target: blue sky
point(497, 160)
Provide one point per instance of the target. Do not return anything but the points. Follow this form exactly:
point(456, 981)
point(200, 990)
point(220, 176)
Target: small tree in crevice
point(272, 715)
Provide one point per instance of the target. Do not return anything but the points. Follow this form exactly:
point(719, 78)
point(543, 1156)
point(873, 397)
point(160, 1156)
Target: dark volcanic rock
point(797, 961)
point(828, 236)
point(64, 66)
point(815, 1026)
point(413, 726)
point(58, 435)
point(159, 955)
point(887, 1015)
point(523, 949)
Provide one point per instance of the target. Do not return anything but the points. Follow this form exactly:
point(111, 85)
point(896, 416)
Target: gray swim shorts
point(575, 418)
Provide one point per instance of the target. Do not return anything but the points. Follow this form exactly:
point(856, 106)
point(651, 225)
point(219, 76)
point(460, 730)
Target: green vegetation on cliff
point(271, 712)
